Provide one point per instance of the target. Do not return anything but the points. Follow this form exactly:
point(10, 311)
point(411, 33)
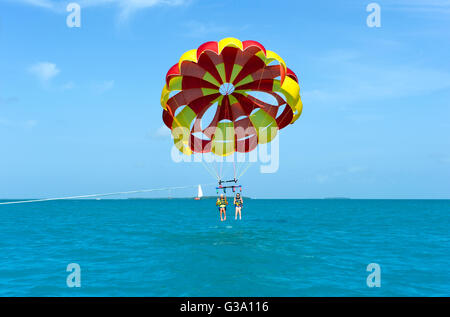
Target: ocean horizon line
point(213, 197)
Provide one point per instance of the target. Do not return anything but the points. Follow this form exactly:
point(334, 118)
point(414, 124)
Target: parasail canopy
point(228, 77)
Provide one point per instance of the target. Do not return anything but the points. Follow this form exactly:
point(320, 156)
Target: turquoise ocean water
point(179, 247)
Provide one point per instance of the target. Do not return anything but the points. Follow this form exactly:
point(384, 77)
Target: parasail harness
point(225, 187)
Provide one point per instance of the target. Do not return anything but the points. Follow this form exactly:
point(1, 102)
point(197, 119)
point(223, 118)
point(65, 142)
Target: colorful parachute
point(225, 75)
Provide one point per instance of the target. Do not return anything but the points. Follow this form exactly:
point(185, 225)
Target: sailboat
point(200, 193)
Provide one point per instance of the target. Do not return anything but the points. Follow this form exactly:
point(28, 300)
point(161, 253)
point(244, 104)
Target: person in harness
point(222, 204)
point(238, 202)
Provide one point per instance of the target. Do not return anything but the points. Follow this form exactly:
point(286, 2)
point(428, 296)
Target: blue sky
point(80, 112)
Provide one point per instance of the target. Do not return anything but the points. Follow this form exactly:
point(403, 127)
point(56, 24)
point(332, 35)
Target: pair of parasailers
point(222, 204)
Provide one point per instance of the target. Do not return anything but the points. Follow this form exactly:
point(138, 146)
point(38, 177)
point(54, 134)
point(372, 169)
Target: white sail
point(200, 192)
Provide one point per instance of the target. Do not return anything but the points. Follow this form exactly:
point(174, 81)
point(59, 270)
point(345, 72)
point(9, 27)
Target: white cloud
point(30, 124)
point(420, 6)
point(352, 79)
point(200, 29)
point(26, 124)
point(44, 71)
point(163, 131)
point(103, 86)
point(46, 4)
point(126, 7)
point(322, 178)
point(68, 86)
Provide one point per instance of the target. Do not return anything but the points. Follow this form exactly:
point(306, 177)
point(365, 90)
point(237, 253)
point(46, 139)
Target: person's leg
point(221, 211)
point(224, 214)
point(240, 217)
point(236, 213)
